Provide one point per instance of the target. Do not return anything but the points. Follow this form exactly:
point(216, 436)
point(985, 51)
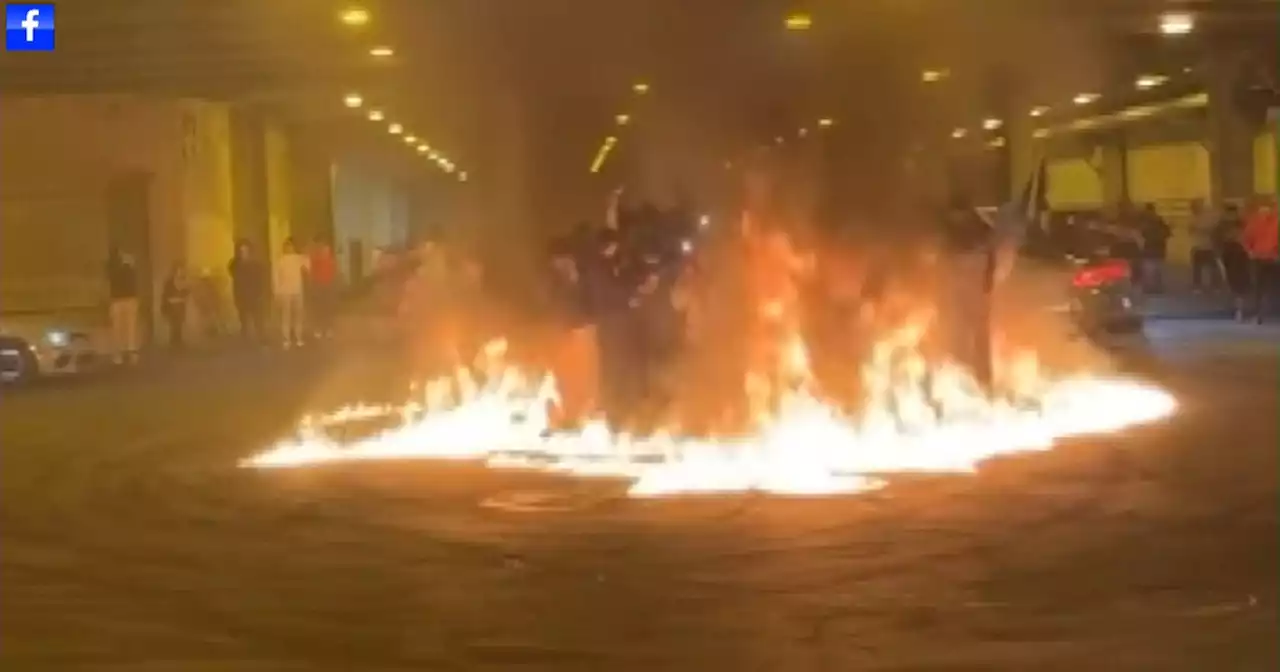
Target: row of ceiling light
point(358, 17)
point(1171, 24)
point(621, 119)
point(1142, 83)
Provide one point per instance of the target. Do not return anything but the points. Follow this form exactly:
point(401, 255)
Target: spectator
point(1204, 258)
point(249, 291)
point(289, 283)
point(1233, 258)
point(177, 292)
point(1260, 241)
point(1155, 233)
point(322, 287)
point(122, 286)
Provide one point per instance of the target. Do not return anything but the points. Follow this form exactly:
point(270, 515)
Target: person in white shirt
point(1204, 256)
point(289, 283)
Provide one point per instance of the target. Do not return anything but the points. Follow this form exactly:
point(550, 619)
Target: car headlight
point(57, 339)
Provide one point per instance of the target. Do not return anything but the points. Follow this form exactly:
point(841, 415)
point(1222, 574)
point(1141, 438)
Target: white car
point(33, 347)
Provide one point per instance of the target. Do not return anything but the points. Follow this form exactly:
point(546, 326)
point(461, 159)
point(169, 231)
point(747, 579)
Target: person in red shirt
point(323, 285)
point(1261, 239)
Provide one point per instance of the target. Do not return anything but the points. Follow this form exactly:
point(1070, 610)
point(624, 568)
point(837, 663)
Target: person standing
point(1260, 239)
point(248, 290)
point(122, 287)
point(1155, 235)
point(289, 283)
point(1204, 250)
point(322, 287)
point(1233, 258)
point(970, 258)
point(174, 297)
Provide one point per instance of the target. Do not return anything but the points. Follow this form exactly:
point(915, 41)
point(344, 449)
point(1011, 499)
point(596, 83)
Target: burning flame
point(918, 417)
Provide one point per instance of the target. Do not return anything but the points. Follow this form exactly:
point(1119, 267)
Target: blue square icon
point(28, 27)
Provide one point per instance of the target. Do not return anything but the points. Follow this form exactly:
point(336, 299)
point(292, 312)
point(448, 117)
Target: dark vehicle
point(1077, 272)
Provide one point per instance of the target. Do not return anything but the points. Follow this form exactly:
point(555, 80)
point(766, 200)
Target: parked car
point(1077, 271)
point(33, 347)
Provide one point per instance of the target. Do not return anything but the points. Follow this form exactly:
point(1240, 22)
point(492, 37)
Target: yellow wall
point(1264, 163)
point(58, 154)
point(279, 195)
point(1171, 176)
point(1177, 171)
point(1073, 184)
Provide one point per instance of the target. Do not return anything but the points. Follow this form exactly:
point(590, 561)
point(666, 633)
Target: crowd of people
point(1233, 249)
point(1237, 249)
point(295, 290)
point(615, 295)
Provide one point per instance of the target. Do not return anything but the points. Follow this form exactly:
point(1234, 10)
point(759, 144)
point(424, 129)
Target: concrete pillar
point(1111, 159)
point(1231, 133)
point(1273, 122)
point(278, 171)
point(310, 189)
point(1022, 151)
point(249, 177)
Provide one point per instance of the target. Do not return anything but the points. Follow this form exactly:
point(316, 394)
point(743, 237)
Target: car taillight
point(1104, 273)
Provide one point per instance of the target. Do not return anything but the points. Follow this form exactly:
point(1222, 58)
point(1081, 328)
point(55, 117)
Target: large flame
point(917, 417)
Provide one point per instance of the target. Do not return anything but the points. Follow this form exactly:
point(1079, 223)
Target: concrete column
point(1273, 122)
point(249, 177)
point(310, 188)
point(1231, 133)
point(1021, 149)
point(1111, 160)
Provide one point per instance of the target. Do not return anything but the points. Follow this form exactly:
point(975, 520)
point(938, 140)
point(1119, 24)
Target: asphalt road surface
point(130, 541)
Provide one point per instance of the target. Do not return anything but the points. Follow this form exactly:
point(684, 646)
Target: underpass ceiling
point(723, 72)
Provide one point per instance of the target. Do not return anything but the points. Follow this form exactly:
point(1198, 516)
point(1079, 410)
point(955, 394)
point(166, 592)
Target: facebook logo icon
point(28, 27)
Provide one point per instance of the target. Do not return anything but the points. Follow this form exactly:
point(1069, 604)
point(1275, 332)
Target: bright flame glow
point(917, 418)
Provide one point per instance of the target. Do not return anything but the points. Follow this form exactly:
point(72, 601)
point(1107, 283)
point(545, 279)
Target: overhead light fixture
point(462, 176)
point(959, 133)
point(354, 16)
point(433, 155)
point(640, 88)
point(375, 115)
point(803, 132)
point(1085, 98)
point(1146, 82)
point(623, 119)
point(410, 139)
point(798, 21)
point(395, 129)
point(992, 124)
point(353, 100)
point(826, 122)
point(998, 142)
point(602, 154)
point(423, 149)
point(382, 52)
point(1039, 111)
point(931, 76)
point(1177, 23)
